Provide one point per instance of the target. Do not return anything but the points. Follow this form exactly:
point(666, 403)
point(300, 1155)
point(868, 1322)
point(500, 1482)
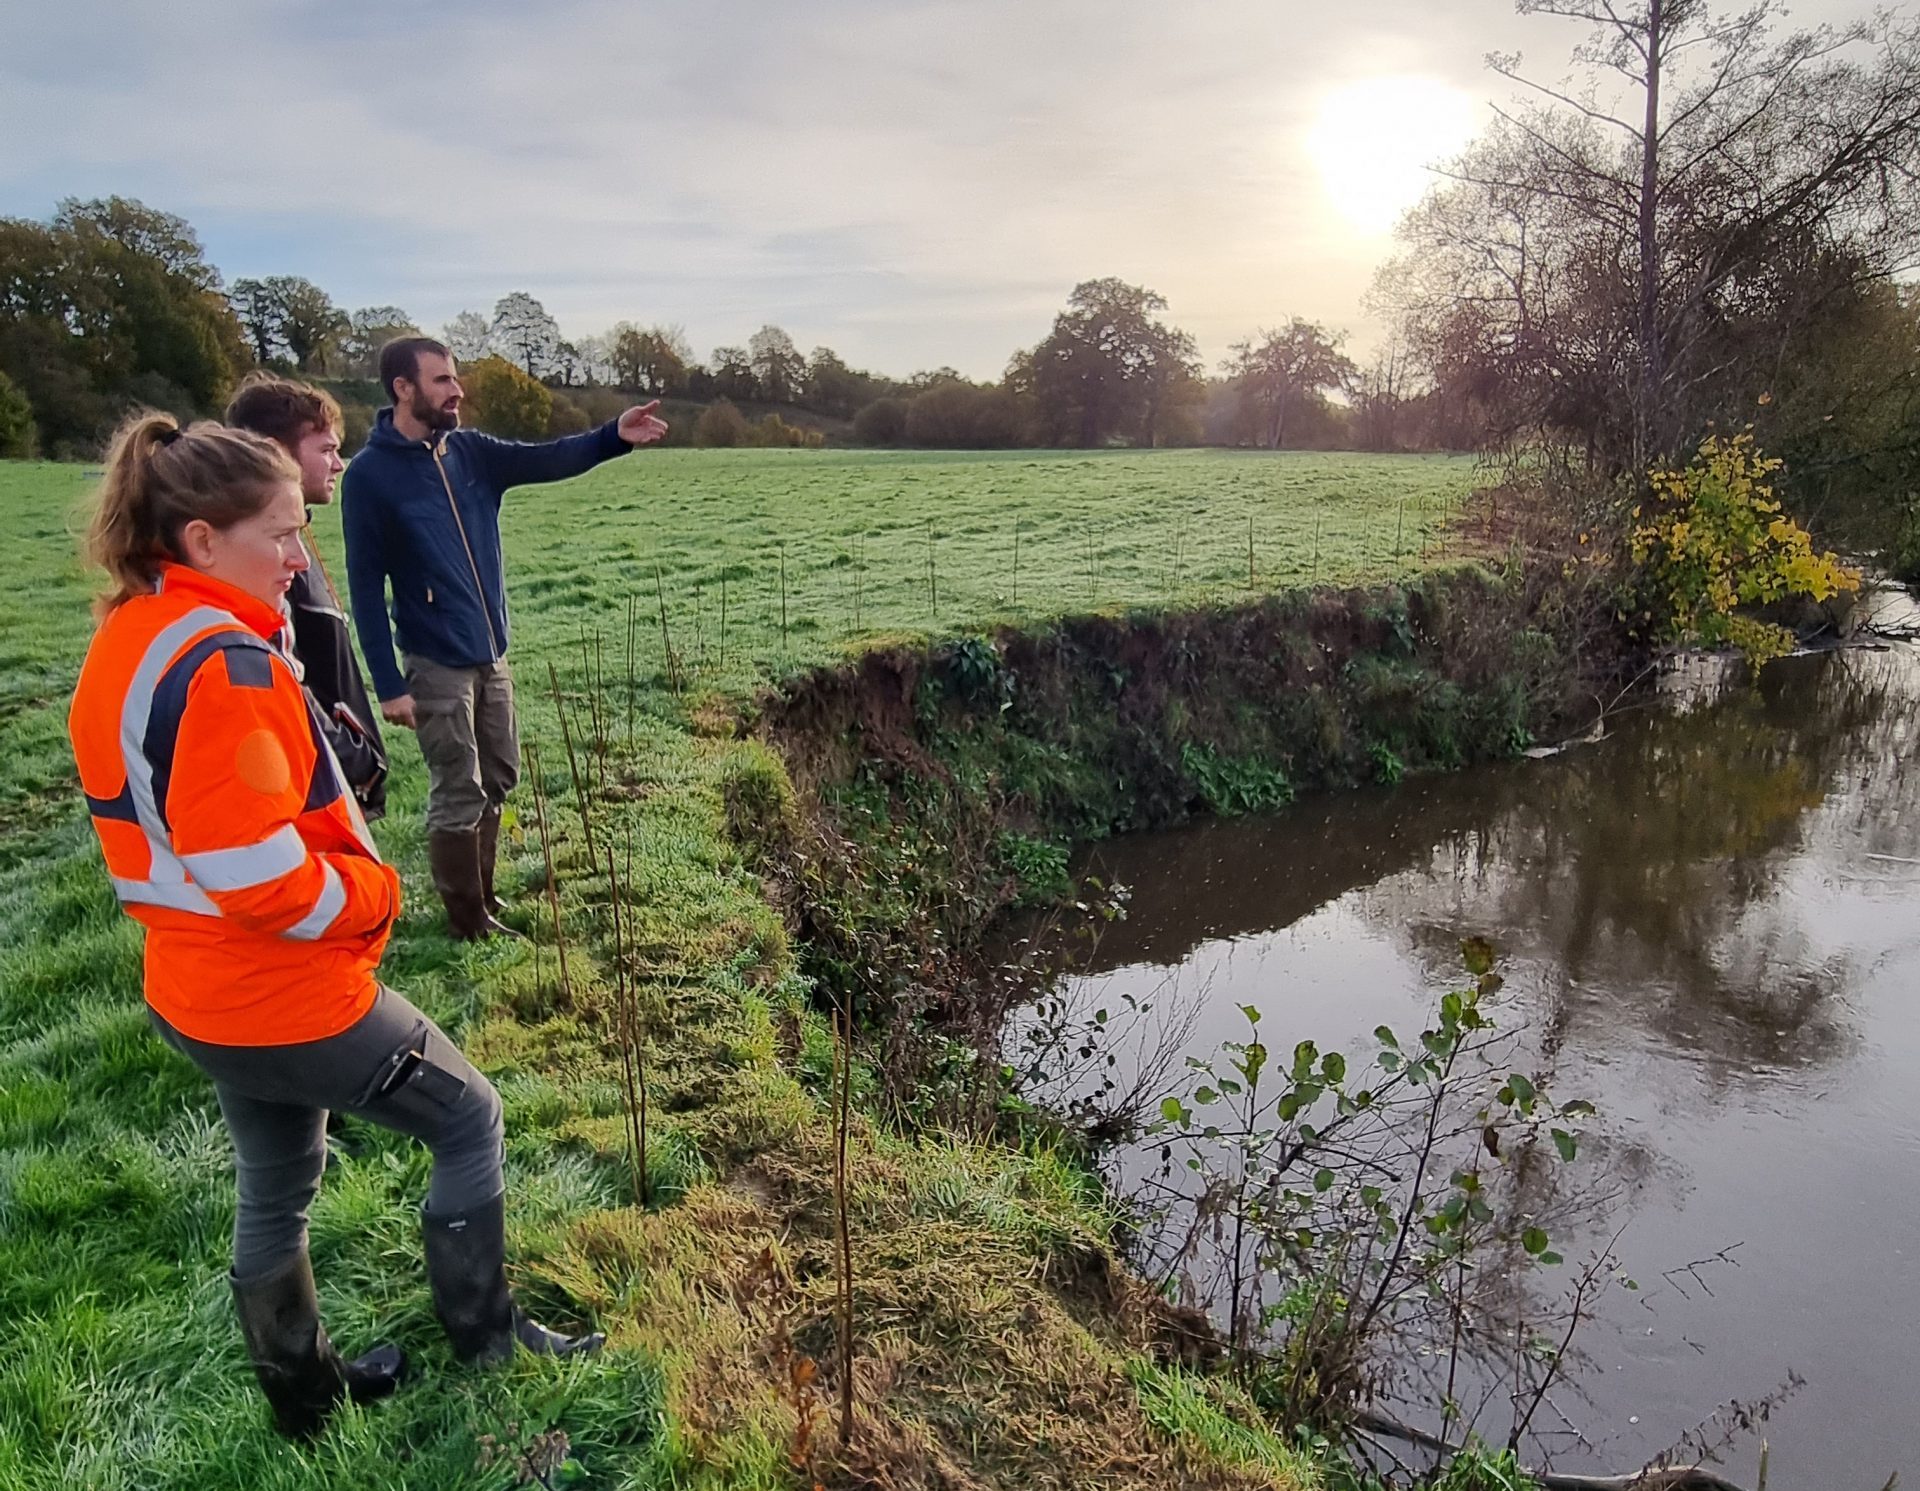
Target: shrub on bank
point(1713, 540)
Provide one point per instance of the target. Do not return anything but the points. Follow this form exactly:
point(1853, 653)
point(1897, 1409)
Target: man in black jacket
point(421, 510)
point(305, 422)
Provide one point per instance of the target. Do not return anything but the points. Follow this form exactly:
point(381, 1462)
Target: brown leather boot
point(454, 855)
point(489, 842)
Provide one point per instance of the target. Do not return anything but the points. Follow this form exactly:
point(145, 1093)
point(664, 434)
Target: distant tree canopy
point(368, 329)
point(107, 304)
point(466, 336)
point(292, 319)
point(503, 400)
point(1278, 374)
point(1110, 367)
point(835, 389)
point(733, 375)
point(653, 359)
point(778, 367)
point(83, 338)
point(1595, 279)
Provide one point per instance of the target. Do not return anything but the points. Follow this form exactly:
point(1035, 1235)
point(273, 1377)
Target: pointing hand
point(640, 425)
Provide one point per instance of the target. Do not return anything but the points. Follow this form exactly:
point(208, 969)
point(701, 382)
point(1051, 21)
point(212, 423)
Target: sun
point(1373, 141)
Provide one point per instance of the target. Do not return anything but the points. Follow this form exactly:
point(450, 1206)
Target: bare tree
point(777, 364)
point(524, 331)
point(367, 330)
point(1380, 398)
point(1635, 253)
point(1278, 371)
point(467, 336)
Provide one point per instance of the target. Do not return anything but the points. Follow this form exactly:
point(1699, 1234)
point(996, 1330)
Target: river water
point(1709, 921)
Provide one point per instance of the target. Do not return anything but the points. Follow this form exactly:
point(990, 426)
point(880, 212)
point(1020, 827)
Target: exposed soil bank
point(935, 787)
point(928, 789)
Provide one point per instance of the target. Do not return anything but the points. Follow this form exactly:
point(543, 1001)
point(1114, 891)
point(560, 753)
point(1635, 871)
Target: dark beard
point(438, 419)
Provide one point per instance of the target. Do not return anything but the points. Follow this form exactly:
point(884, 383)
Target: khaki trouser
point(468, 734)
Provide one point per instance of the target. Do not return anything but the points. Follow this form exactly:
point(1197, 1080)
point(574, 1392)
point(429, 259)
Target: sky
point(914, 183)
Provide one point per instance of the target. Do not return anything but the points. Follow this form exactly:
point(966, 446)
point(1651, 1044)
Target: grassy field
point(878, 543)
point(120, 1366)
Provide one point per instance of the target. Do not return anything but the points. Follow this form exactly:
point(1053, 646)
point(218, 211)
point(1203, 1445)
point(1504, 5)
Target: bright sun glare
point(1373, 141)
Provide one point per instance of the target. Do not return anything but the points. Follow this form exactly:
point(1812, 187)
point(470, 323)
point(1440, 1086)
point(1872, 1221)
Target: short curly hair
point(281, 409)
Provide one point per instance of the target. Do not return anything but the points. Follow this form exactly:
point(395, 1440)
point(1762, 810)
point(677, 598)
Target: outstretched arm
point(509, 463)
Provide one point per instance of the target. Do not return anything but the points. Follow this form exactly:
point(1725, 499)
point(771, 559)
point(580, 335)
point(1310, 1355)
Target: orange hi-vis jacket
point(228, 828)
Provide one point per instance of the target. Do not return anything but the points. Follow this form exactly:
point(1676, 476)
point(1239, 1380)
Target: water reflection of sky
point(1696, 938)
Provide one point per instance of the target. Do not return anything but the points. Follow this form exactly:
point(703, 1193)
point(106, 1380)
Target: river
point(1709, 924)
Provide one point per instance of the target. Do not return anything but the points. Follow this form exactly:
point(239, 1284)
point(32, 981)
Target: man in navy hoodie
point(420, 506)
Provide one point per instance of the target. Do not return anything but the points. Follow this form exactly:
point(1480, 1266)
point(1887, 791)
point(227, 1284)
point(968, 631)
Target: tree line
point(110, 303)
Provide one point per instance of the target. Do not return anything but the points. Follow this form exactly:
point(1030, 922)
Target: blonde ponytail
point(161, 477)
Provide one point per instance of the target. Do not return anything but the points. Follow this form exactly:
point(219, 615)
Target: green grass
point(878, 544)
point(120, 1365)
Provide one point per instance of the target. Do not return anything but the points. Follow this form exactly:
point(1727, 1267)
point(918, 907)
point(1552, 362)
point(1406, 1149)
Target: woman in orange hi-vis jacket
point(230, 835)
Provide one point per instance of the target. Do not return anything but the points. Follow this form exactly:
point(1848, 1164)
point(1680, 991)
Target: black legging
point(393, 1067)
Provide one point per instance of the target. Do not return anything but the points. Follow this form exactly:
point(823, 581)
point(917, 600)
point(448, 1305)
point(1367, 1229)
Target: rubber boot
point(302, 1375)
point(454, 855)
point(467, 1270)
point(487, 846)
point(489, 851)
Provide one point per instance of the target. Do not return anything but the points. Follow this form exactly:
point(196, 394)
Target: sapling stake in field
point(115, 1182)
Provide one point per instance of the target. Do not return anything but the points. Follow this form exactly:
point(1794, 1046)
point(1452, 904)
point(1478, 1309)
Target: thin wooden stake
point(1016, 564)
point(602, 707)
point(666, 637)
point(842, 1103)
point(546, 849)
point(723, 617)
point(631, 618)
point(783, 598)
point(933, 578)
point(1249, 551)
point(639, 1055)
point(573, 763)
point(631, 1072)
point(1314, 577)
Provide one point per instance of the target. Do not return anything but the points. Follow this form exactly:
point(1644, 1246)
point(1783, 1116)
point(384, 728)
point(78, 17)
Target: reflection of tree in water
point(1647, 871)
point(1660, 892)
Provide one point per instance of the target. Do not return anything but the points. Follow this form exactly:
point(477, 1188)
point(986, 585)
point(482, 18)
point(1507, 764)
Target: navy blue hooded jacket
point(425, 516)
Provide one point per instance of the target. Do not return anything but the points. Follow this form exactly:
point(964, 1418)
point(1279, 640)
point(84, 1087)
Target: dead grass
point(999, 1342)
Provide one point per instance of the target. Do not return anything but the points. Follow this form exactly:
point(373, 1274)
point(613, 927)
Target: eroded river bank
point(1709, 925)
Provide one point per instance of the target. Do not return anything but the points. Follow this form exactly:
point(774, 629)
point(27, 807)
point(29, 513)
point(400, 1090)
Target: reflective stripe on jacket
point(226, 823)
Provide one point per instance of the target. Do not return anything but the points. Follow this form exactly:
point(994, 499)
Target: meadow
point(120, 1365)
point(794, 555)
